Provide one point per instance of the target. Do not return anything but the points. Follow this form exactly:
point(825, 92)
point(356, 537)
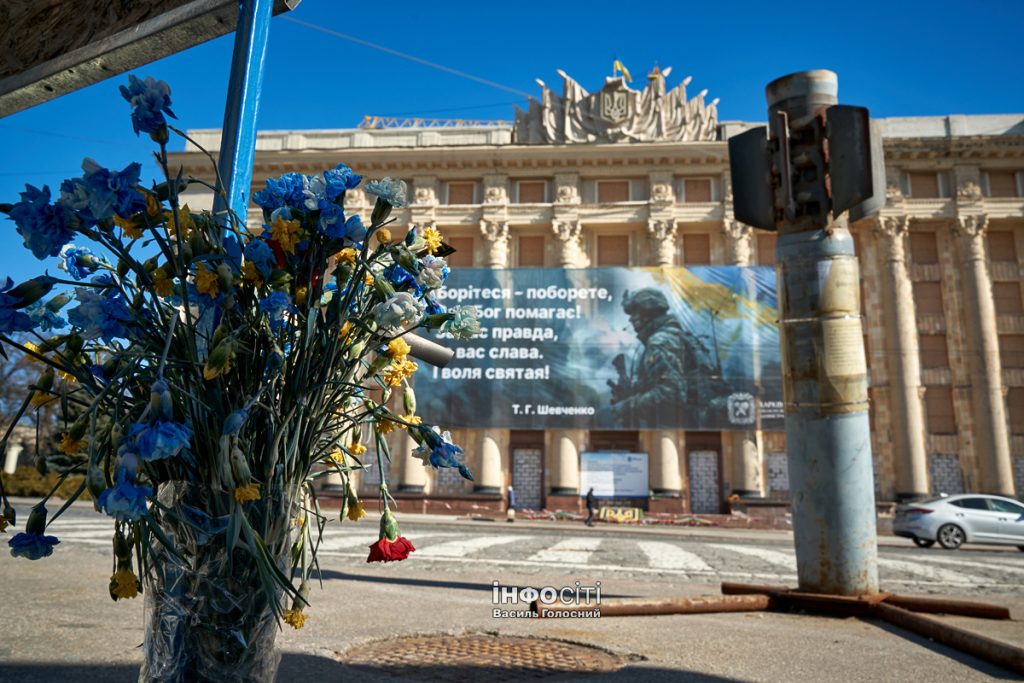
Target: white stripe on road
point(928, 573)
point(661, 555)
point(465, 546)
point(1019, 569)
point(787, 560)
point(334, 542)
point(575, 550)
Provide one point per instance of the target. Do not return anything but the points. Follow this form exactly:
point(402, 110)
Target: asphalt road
point(58, 624)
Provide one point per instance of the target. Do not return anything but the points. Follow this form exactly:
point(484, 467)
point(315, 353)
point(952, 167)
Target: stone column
point(747, 473)
point(489, 478)
point(904, 360)
point(565, 478)
point(497, 239)
point(14, 449)
point(413, 477)
point(991, 441)
point(568, 242)
point(663, 237)
point(664, 474)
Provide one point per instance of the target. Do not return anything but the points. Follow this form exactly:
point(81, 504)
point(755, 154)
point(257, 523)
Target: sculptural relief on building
point(616, 113)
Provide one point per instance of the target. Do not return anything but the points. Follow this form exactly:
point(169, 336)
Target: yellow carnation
point(346, 256)
point(356, 448)
point(384, 236)
point(398, 348)
point(294, 618)
point(356, 511)
point(128, 227)
point(251, 273)
point(123, 585)
point(206, 281)
point(250, 491)
point(285, 233)
point(70, 446)
point(162, 284)
point(433, 239)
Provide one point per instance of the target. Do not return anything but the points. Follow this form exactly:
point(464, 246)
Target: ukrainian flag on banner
point(617, 66)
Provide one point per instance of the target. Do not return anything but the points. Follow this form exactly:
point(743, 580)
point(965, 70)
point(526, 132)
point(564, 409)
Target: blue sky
point(898, 59)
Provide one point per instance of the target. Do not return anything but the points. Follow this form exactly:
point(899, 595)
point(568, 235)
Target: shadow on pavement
point(979, 665)
point(330, 574)
point(298, 666)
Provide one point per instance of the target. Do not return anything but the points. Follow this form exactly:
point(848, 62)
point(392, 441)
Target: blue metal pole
point(828, 439)
point(245, 85)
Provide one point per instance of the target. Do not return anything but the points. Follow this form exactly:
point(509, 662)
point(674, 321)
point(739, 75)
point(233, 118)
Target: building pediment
point(616, 113)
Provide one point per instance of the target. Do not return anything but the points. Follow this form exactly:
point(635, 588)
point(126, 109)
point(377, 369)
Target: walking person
point(591, 507)
point(510, 510)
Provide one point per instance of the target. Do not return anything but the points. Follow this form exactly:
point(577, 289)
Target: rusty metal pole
point(828, 440)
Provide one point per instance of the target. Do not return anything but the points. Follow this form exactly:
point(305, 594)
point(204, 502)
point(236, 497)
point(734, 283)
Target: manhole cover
point(478, 657)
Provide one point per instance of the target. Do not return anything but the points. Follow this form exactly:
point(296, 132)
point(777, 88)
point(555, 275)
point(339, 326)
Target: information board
point(614, 474)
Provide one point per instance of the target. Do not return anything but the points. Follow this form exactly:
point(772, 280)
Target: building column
point(747, 472)
point(496, 236)
point(664, 473)
point(14, 449)
point(991, 440)
point(663, 237)
point(490, 477)
point(413, 477)
point(904, 360)
point(567, 240)
point(565, 477)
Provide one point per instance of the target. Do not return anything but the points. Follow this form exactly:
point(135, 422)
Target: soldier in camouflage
point(659, 383)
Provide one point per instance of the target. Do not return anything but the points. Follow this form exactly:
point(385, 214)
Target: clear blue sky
point(924, 59)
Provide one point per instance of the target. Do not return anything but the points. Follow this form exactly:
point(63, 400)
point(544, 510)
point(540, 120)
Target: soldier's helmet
point(644, 302)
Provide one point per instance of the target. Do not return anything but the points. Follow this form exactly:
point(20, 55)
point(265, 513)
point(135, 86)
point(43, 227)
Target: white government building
point(622, 177)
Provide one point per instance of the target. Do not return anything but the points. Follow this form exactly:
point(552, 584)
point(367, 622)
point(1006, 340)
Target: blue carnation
point(354, 228)
point(42, 317)
point(150, 100)
point(158, 440)
point(275, 306)
point(434, 308)
point(79, 262)
point(105, 314)
point(126, 500)
point(284, 191)
point(261, 255)
point(42, 225)
point(439, 451)
point(339, 179)
point(391, 191)
point(402, 279)
point(332, 220)
point(101, 193)
point(11, 319)
point(32, 546)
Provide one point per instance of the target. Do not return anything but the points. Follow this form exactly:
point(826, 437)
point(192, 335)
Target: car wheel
point(923, 543)
point(951, 536)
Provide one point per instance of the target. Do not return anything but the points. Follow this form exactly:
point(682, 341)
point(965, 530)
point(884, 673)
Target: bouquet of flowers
point(207, 375)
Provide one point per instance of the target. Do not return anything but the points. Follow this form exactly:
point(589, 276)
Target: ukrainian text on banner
point(612, 348)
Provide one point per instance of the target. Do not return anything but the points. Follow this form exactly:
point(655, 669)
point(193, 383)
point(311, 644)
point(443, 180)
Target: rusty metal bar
point(980, 610)
point(646, 607)
point(750, 588)
point(982, 647)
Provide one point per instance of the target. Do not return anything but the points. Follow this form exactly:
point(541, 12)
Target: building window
point(1002, 184)
point(531, 251)
point(766, 250)
point(461, 193)
point(924, 248)
point(696, 190)
point(1015, 403)
point(1011, 350)
point(934, 353)
point(532, 192)
point(1007, 298)
point(463, 256)
point(613, 250)
point(612, 191)
point(928, 297)
point(1001, 246)
point(697, 250)
point(924, 185)
point(938, 402)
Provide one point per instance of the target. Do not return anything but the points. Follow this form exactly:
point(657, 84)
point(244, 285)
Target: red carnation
point(387, 551)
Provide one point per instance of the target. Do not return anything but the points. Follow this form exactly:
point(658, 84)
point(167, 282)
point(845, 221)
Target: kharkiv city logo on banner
point(613, 348)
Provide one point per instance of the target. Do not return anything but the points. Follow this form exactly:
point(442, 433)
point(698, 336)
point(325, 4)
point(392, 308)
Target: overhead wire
point(406, 56)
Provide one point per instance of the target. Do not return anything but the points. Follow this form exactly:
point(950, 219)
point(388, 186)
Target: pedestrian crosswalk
point(762, 561)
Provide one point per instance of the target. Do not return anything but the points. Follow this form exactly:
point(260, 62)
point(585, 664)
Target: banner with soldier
point(613, 348)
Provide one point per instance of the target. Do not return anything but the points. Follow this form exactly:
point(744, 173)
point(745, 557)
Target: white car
point(965, 518)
